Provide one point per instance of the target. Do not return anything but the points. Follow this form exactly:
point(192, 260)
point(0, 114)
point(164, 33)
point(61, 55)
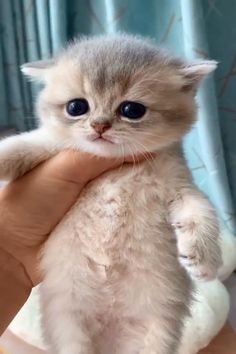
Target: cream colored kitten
point(115, 267)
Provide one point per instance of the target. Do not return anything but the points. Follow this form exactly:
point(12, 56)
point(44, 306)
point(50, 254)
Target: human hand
point(31, 206)
point(224, 343)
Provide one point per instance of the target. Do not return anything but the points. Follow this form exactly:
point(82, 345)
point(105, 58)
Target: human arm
point(224, 343)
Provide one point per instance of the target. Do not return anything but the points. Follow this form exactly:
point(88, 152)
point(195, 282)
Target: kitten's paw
point(21, 153)
point(197, 269)
point(199, 251)
point(12, 159)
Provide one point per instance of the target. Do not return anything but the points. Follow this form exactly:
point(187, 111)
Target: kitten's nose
point(100, 128)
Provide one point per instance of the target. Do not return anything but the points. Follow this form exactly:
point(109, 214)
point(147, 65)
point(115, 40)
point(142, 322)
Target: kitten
point(115, 266)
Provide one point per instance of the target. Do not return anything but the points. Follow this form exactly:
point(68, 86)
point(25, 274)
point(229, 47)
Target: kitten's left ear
point(195, 72)
point(37, 70)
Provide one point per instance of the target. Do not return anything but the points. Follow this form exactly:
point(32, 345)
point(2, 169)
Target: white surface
point(209, 313)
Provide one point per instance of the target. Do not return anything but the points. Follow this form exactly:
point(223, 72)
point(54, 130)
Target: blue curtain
point(33, 29)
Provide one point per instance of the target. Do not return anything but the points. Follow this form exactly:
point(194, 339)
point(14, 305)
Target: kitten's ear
point(195, 72)
point(37, 70)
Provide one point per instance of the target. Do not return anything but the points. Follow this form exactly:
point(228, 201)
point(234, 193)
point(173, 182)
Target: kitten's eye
point(132, 110)
point(77, 107)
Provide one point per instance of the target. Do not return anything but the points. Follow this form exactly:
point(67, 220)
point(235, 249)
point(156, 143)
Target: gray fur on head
point(120, 55)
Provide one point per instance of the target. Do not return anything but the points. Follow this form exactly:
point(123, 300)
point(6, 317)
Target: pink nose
point(100, 128)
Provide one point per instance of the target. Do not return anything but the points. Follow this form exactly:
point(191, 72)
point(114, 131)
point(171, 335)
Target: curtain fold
point(34, 29)
point(205, 140)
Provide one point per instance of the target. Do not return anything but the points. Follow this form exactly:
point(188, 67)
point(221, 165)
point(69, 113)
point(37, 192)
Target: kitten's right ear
point(195, 72)
point(37, 70)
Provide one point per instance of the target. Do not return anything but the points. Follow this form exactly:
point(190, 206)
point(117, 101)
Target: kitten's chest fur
point(114, 255)
point(122, 217)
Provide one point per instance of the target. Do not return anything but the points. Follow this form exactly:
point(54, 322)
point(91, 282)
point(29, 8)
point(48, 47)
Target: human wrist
point(12, 267)
point(15, 288)
point(81, 167)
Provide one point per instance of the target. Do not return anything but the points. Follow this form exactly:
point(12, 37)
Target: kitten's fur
point(113, 281)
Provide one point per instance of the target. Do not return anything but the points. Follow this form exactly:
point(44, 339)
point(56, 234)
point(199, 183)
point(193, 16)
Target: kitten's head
point(118, 95)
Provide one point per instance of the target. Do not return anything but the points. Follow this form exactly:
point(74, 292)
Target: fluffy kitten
point(115, 267)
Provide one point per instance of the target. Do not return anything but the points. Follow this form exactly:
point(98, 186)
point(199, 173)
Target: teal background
point(33, 29)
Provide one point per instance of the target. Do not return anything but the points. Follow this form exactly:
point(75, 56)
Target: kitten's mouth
point(101, 139)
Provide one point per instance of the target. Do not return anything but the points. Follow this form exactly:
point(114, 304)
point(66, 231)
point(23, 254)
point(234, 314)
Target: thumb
point(80, 167)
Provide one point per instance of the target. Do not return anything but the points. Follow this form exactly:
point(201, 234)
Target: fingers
point(46, 193)
point(79, 166)
point(82, 167)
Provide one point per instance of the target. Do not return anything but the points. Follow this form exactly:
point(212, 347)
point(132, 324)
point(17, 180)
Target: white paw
point(197, 269)
point(200, 257)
